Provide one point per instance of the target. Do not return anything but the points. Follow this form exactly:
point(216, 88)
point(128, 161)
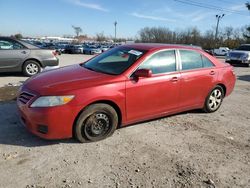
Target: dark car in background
point(74, 49)
point(19, 56)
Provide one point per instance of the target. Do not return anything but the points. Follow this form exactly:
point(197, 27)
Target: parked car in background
point(19, 56)
point(222, 51)
point(104, 48)
point(36, 43)
point(124, 85)
point(240, 55)
point(74, 49)
point(91, 49)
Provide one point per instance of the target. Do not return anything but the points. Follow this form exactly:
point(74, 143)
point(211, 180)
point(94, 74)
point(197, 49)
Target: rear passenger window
point(161, 62)
point(190, 60)
point(207, 62)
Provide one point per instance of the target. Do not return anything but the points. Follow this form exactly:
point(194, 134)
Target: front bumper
point(48, 123)
point(238, 61)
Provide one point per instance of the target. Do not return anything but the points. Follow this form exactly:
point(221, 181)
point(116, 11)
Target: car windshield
point(114, 61)
point(244, 48)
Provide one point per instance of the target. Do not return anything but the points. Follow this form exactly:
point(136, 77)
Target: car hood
point(239, 52)
point(55, 82)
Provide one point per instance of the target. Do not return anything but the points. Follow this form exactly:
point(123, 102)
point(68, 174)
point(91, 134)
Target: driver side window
point(161, 62)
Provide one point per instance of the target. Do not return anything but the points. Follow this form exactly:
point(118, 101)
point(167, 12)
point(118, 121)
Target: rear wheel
point(31, 68)
point(214, 99)
point(96, 122)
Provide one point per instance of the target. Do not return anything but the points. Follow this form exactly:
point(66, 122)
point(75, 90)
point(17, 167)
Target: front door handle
point(212, 73)
point(174, 79)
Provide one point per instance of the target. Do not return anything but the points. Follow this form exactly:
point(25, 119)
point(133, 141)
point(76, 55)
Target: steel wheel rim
point(97, 125)
point(215, 99)
point(32, 68)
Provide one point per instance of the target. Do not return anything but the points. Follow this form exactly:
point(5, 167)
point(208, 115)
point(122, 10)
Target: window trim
point(193, 69)
point(158, 74)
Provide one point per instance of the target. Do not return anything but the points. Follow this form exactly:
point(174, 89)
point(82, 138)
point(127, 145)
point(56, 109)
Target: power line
point(209, 6)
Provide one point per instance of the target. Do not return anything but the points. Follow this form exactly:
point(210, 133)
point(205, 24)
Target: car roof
point(157, 46)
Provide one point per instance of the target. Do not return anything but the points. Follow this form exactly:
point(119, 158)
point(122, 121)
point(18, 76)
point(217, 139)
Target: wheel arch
point(32, 59)
point(108, 102)
point(223, 87)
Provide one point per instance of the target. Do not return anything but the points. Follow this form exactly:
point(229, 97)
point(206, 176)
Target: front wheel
point(214, 99)
point(96, 122)
point(31, 68)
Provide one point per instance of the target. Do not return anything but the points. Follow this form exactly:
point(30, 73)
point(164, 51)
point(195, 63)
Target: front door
point(149, 97)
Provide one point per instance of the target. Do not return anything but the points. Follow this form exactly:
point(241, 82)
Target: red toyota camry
point(124, 85)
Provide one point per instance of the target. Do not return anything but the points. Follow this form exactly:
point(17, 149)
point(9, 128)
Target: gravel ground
point(191, 149)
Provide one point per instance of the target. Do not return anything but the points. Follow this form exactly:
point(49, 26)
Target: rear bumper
point(50, 62)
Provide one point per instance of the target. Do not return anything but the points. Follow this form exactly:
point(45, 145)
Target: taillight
point(54, 53)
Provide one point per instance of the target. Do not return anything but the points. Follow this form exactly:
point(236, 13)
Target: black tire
point(214, 99)
point(96, 122)
point(31, 68)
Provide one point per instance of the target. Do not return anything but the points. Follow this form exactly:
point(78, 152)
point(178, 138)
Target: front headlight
point(49, 101)
point(245, 56)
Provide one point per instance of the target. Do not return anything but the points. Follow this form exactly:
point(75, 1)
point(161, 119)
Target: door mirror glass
point(144, 73)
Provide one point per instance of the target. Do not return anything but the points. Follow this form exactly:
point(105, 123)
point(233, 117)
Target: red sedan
point(124, 85)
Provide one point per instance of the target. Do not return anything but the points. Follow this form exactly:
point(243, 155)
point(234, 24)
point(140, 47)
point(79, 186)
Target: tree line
point(228, 36)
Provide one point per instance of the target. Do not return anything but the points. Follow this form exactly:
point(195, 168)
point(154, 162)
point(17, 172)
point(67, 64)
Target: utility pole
point(218, 17)
point(115, 23)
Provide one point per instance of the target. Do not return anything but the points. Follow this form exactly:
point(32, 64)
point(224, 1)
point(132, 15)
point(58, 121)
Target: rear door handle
point(23, 52)
point(212, 73)
point(174, 79)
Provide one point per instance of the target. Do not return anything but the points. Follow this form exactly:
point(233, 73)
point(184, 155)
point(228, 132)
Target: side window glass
point(190, 60)
point(6, 45)
point(207, 62)
point(17, 46)
point(161, 62)
point(10, 45)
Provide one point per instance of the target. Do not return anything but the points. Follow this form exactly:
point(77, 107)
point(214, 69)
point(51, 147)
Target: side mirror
point(145, 73)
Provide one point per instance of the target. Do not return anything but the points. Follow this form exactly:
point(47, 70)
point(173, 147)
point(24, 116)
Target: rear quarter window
point(194, 60)
point(190, 60)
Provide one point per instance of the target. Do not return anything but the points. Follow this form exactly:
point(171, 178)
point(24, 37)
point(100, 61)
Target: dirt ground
point(191, 149)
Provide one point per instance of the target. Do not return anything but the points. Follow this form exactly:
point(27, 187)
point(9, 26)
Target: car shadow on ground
point(14, 133)
point(239, 65)
point(15, 74)
point(244, 78)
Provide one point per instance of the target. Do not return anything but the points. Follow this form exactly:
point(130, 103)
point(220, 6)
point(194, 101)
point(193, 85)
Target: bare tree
point(247, 32)
point(77, 30)
point(100, 37)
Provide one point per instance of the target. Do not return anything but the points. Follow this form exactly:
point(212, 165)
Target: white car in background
point(221, 51)
point(240, 55)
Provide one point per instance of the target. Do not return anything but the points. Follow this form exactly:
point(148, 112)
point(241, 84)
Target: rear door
point(12, 53)
point(198, 76)
point(149, 97)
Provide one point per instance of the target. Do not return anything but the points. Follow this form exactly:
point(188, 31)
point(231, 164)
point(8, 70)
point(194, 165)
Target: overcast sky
point(55, 17)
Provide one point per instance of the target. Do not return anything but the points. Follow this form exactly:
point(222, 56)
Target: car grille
point(25, 97)
point(235, 55)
